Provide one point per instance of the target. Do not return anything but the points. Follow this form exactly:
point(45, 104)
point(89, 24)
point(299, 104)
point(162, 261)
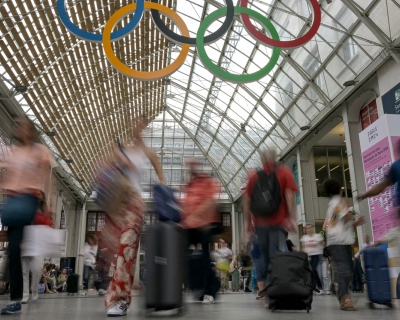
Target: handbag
point(166, 205)
point(19, 211)
point(223, 266)
point(42, 241)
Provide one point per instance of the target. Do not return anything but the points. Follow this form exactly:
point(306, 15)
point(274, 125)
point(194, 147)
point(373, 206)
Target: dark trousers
point(201, 275)
point(15, 235)
point(314, 265)
point(342, 265)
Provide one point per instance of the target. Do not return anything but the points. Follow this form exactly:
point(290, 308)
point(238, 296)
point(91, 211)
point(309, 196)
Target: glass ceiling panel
point(74, 91)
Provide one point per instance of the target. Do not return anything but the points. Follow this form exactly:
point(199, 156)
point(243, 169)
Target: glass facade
point(332, 162)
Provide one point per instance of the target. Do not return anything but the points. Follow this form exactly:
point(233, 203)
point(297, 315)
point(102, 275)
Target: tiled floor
point(238, 306)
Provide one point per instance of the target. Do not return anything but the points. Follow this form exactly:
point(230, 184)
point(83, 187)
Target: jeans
point(15, 235)
point(314, 264)
point(203, 277)
point(323, 272)
point(271, 241)
point(35, 265)
point(342, 266)
point(86, 276)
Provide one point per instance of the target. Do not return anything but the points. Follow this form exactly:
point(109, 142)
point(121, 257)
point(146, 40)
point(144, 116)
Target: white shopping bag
point(42, 241)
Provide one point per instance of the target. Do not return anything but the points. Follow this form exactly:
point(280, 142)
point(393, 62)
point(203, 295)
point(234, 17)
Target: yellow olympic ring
point(144, 75)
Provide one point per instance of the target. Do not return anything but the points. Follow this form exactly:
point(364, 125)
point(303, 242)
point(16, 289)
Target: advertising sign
point(369, 114)
point(377, 160)
point(391, 100)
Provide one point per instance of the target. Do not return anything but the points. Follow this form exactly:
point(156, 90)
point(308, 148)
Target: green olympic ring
point(216, 70)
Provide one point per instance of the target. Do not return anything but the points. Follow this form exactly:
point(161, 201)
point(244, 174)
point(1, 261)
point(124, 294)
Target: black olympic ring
point(192, 41)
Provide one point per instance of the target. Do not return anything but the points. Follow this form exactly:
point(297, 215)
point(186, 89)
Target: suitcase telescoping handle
point(313, 282)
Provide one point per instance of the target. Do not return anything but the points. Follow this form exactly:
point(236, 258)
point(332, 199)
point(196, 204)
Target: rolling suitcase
point(377, 276)
point(72, 283)
point(165, 266)
point(291, 282)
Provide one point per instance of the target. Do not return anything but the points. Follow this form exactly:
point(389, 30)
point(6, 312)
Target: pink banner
point(377, 161)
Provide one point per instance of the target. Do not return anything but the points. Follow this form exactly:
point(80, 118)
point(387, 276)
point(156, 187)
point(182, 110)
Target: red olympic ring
point(291, 44)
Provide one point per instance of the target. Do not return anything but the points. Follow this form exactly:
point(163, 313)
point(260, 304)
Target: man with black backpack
point(269, 208)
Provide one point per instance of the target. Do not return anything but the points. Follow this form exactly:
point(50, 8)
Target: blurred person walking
point(313, 245)
point(269, 220)
point(202, 221)
point(122, 229)
point(235, 275)
point(225, 256)
point(27, 180)
point(90, 254)
point(339, 228)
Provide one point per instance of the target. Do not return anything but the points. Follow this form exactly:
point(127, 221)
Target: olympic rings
point(273, 41)
point(291, 44)
point(236, 78)
point(142, 75)
point(95, 37)
point(192, 41)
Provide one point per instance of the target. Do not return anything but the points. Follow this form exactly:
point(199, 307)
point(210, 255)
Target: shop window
point(332, 162)
point(95, 221)
point(226, 219)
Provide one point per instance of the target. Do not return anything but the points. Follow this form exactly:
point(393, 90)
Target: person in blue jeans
point(270, 229)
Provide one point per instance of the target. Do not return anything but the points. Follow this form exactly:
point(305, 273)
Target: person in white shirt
point(89, 255)
point(313, 244)
point(225, 254)
point(367, 243)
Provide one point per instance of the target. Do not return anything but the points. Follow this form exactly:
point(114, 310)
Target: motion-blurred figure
point(339, 228)
point(89, 260)
point(28, 178)
point(121, 233)
point(270, 227)
point(225, 256)
point(200, 218)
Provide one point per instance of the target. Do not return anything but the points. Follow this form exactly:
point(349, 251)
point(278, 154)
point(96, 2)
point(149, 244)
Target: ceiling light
point(21, 89)
point(321, 168)
point(170, 96)
point(328, 1)
point(350, 83)
point(304, 128)
point(243, 127)
point(69, 161)
point(335, 167)
point(168, 82)
point(176, 49)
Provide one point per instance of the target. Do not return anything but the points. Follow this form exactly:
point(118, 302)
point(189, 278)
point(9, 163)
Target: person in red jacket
point(270, 229)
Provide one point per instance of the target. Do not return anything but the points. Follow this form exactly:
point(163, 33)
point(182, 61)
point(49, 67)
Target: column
point(81, 243)
point(302, 214)
point(350, 157)
point(234, 230)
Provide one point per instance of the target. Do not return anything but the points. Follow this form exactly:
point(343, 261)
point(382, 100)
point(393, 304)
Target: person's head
point(139, 125)
point(222, 243)
point(64, 271)
point(194, 166)
point(24, 131)
point(91, 240)
point(57, 267)
point(268, 156)
point(333, 187)
point(286, 234)
point(366, 238)
point(309, 229)
point(49, 267)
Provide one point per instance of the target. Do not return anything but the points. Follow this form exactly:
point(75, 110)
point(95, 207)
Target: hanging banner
point(295, 172)
point(368, 114)
point(377, 159)
point(391, 100)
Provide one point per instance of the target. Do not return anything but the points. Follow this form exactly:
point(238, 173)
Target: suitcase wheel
point(272, 309)
point(390, 305)
point(371, 305)
point(308, 309)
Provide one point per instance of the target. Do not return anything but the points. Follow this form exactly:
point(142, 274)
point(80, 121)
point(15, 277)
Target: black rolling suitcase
point(165, 266)
point(72, 283)
point(291, 282)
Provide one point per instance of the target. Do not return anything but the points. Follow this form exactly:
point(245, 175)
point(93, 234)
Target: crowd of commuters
point(27, 186)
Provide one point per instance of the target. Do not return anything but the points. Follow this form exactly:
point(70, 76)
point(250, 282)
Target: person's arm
point(374, 191)
point(389, 237)
point(154, 161)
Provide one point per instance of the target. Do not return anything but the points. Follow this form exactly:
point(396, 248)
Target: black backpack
point(266, 195)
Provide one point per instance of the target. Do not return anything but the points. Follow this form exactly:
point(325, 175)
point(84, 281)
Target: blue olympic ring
point(96, 37)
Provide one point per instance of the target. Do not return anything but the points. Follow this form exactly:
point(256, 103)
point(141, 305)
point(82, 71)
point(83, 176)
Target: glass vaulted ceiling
point(74, 91)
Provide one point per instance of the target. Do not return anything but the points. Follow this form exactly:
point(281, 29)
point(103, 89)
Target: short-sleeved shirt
point(286, 182)
point(29, 169)
point(338, 231)
point(313, 245)
point(200, 188)
point(394, 176)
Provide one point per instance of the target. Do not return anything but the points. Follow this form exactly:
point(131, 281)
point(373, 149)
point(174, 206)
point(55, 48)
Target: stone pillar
point(235, 221)
point(81, 243)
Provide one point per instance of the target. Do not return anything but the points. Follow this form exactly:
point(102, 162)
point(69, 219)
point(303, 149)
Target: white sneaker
point(35, 295)
point(118, 309)
point(25, 300)
point(102, 292)
point(328, 293)
point(208, 299)
point(321, 293)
